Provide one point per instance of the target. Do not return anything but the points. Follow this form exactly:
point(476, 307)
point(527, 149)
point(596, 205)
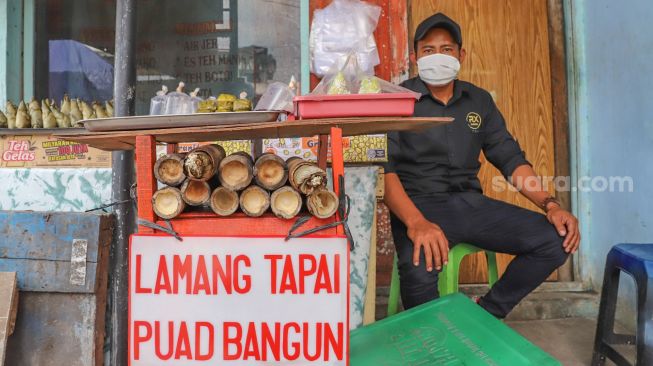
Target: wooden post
point(337, 165)
point(146, 183)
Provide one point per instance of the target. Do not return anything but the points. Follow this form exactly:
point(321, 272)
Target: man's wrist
point(550, 203)
point(414, 220)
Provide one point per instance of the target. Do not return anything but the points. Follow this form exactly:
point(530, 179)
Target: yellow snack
point(226, 102)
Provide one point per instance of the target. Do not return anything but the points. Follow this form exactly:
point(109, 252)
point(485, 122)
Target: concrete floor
point(571, 340)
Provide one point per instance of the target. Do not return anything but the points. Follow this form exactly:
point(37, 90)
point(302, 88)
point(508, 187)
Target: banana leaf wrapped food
point(226, 102)
point(207, 106)
point(23, 119)
point(75, 112)
point(11, 115)
point(3, 120)
point(35, 114)
point(49, 120)
point(243, 104)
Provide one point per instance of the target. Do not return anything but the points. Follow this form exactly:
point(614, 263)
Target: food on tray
point(370, 85)
point(338, 85)
point(226, 102)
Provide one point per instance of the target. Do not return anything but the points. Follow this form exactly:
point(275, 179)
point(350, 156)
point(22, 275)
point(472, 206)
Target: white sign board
point(238, 301)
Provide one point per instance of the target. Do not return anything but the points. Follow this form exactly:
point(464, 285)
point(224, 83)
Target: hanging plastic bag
point(158, 102)
point(343, 27)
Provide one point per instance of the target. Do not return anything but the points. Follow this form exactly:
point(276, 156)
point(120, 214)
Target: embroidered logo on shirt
point(474, 120)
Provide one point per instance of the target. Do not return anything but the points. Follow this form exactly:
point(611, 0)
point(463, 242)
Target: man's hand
point(566, 225)
point(428, 235)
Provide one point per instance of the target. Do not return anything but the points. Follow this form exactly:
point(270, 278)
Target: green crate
point(450, 331)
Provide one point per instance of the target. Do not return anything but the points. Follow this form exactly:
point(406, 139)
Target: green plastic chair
point(448, 278)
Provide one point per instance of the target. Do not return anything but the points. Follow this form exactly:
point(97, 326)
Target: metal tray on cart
point(179, 120)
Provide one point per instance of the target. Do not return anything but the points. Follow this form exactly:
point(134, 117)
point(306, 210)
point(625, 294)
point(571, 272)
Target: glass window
point(218, 46)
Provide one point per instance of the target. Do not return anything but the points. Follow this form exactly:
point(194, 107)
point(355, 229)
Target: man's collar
point(459, 88)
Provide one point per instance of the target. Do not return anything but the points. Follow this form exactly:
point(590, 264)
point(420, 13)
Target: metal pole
point(123, 177)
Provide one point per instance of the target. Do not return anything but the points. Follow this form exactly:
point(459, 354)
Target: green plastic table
point(450, 331)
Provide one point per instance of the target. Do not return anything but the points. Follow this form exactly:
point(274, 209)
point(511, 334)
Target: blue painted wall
point(611, 76)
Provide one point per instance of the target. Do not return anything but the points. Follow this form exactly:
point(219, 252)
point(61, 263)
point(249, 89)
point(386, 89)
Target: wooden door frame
point(560, 110)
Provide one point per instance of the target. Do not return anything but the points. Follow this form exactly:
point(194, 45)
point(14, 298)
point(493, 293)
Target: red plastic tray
point(355, 105)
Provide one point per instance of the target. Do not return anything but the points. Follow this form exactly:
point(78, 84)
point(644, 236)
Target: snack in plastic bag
point(370, 85)
point(350, 79)
point(158, 102)
point(242, 104)
point(277, 97)
point(343, 27)
point(177, 101)
point(208, 106)
point(226, 102)
point(195, 101)
point(338, 85)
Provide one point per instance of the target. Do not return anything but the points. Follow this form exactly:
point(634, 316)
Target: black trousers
point(488, 224)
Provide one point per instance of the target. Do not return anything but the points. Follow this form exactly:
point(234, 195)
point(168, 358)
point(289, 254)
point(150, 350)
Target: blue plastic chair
point(637, 261)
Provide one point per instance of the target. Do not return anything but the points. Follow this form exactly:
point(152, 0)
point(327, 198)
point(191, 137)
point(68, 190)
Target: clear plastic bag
point(343, 27)
point(158, 102)
point(351, 79)
point(177, 102)
point(194, 104)
point(278, 97)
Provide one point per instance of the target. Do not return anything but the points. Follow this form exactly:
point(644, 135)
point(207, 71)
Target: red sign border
point(315, 236)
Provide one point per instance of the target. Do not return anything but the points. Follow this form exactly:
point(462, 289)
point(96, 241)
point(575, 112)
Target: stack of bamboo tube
point(207, 177)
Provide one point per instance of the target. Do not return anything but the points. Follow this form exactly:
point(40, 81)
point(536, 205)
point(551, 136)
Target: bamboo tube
point(202, 162)
point(270, 171)
point(195, 192)
point(286, 202)
point(305, 176)
point(169, 169)
point(167, 203)
point(236, 171)
point(224, 201)
point(254, 201)
point(322, 203)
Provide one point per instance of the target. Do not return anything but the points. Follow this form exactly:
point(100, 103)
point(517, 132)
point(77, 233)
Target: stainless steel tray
point(179, 120)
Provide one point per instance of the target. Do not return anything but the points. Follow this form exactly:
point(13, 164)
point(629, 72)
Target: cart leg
point(337, 164)
point(322, 151)
point(146, 183)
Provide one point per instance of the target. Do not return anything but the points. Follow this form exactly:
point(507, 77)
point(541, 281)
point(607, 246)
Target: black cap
point(438, 20)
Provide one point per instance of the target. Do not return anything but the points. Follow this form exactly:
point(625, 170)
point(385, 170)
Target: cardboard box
point(44, 151)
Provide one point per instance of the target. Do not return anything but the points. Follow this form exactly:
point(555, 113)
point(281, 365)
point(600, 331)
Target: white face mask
point(438, 69)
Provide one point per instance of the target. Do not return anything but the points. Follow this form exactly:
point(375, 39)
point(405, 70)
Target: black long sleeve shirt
point(445, 159)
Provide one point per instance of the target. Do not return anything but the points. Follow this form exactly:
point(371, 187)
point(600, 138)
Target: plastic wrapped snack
point(195, 101)
point(370, 85)
point(177, 102)
point(157, 103)
point(207, 106)
point(338, 85)
point(242, 104)
point(226, 102)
